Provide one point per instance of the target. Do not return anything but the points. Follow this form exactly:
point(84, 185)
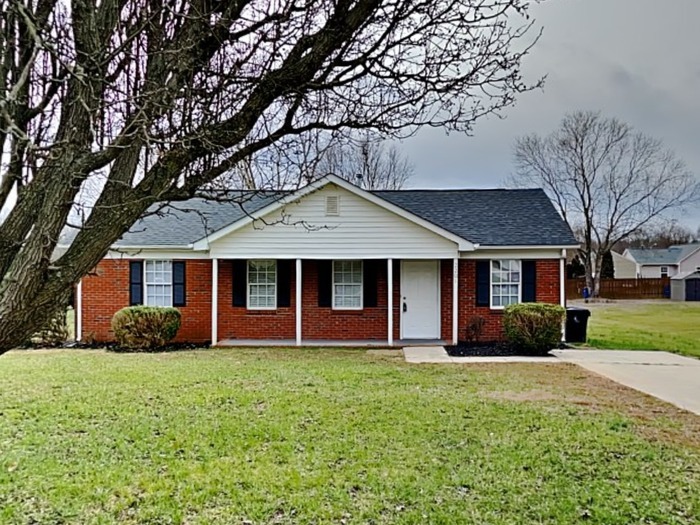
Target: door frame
point(438, 312)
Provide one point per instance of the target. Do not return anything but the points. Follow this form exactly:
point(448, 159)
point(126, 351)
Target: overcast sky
point(638, 60)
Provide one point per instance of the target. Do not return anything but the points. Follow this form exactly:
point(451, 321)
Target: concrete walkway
point(671, 377)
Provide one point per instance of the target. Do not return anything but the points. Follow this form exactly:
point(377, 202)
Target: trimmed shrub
point(534, 328)
point(145, 327)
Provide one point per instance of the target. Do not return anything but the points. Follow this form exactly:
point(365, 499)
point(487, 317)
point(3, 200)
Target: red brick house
point(334, 263)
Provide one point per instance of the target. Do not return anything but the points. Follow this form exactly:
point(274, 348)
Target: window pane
point(505, 282)
point(158, 280)
point(262, 283)
point(347, 284)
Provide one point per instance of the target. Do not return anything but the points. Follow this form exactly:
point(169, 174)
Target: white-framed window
point(158, 279)
point(664, 271)
point(262, 284)
point(505, 282)
point(347, 285)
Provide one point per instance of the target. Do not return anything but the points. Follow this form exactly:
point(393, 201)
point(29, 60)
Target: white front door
point(420, 300)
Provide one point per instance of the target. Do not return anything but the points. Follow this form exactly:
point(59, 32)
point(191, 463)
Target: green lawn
point(333, 436)
point(642, 326)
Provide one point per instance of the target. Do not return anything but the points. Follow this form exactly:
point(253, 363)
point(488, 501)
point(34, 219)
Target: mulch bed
point(114, 347)
point(486, 349)
point(471, 349)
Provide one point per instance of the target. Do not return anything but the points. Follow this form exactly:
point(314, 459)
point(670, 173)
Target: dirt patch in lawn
point(568, 384)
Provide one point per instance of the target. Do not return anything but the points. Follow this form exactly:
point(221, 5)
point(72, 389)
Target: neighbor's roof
point(489, 217)
point(657, 256)
point(486, 217)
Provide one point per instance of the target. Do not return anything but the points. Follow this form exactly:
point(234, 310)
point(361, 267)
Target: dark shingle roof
point(182, 223)
point(486, 217)
point(489, 217)
point(673, 255)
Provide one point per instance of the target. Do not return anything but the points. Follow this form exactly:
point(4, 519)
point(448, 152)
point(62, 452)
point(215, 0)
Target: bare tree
point(368, 162)
point(157, 99)
point(607, 181)
point(662, 235)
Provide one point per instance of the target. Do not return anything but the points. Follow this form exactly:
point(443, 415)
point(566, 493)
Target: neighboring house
point(624, 268)
point(332, 262)
point(666, 262)
point(686, 286)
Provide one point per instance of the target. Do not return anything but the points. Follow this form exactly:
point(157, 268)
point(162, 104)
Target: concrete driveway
point(670, 377)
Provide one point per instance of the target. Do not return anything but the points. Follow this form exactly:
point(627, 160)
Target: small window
point(159, 283)
point(505, 283)
point(347, 285)
point(332, 205)
point(262, 284)
point(664, 271)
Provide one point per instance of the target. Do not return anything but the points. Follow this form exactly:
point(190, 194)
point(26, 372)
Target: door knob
point(405, 308)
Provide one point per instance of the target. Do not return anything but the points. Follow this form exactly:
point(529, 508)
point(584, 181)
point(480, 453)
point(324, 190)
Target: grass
point(333, 436)
point(646, 326)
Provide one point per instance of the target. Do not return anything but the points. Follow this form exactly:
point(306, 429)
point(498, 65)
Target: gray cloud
point(627, 58)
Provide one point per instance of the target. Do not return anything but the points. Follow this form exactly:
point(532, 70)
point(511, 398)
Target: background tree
point(155, 100)
point(663, 235)
point(365, 159)
point(370, 163)
point(607, 180)
point(607, 268)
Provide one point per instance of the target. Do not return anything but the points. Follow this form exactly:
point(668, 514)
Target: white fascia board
point(462, 244)
point(149, 252)
point(516, 252)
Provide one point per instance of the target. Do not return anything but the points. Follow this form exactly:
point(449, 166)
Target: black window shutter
point(135, 282)
point(325, 284)
point(179, 290)
point(529, 281)
point(483, 283)
point(284, 283)
point(369, 283)
point(240, 280)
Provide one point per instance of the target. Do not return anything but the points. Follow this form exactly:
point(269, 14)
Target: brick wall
point(107, 290)
point(237, 322)
point(547, 292)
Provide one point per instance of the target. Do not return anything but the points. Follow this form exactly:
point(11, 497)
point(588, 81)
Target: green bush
point(534, 328)
point(145, 327)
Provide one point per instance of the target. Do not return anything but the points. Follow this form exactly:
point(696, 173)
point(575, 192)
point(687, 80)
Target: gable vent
point(332, 205)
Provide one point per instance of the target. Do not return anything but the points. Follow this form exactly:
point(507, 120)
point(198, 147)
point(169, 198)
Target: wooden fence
point(623, 288)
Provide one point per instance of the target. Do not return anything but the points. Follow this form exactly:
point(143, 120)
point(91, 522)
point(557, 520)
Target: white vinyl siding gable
point(360, 230)
point(691, 263)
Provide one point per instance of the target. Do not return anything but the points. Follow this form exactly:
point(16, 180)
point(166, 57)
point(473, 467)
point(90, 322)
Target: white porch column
point(562, 278)
point(214, 301)
point(79, 311)
point(390, 301)
point(455, 301)
point(562, 291)
point(298, 302)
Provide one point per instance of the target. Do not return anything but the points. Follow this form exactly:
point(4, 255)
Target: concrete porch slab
point(326, 343)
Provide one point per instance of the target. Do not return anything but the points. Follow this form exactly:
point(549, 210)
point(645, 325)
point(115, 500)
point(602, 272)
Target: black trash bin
point(576, 324)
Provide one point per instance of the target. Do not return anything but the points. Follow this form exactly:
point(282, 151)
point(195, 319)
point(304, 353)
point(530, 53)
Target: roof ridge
point(455, 190)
